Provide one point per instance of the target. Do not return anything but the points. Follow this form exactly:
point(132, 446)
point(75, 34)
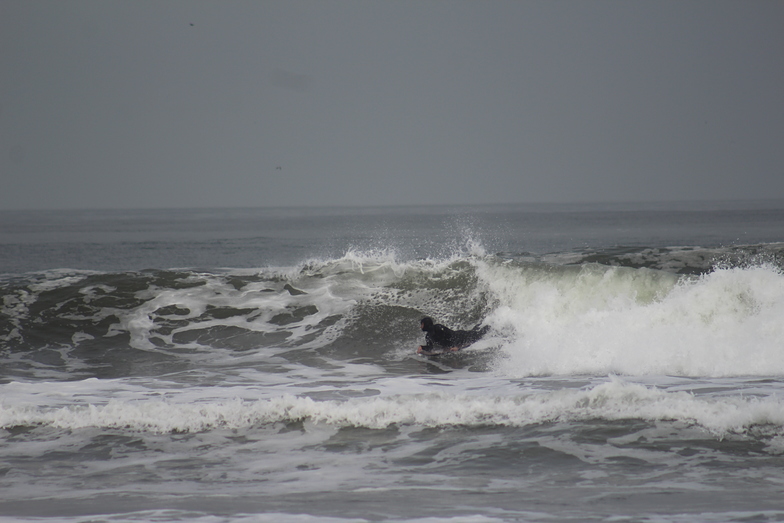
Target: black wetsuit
point(446, 338)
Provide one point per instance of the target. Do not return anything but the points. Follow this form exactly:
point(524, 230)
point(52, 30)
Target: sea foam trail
point(613, 400)
point(595, 319)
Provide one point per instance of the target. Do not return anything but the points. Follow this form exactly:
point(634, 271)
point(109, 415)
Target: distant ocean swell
point(610, 401)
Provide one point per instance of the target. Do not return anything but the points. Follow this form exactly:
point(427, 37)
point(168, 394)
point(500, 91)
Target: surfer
point(447, 339)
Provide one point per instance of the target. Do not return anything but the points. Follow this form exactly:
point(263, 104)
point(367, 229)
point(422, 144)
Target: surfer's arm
point(427, 347)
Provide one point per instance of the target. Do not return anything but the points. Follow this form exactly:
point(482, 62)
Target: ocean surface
point(259, 364)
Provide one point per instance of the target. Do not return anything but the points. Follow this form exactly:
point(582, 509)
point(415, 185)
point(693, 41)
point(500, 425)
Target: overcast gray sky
point(269, 103)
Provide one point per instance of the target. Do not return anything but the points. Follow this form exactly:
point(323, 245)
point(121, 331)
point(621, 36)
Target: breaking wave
point(546, 318)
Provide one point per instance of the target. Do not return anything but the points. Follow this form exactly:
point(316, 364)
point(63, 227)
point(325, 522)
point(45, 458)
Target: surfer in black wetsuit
point(447, 339)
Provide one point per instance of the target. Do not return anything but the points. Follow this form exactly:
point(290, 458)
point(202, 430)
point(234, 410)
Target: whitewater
point(260, 365)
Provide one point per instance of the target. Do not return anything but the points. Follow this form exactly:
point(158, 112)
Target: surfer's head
point(426, 323)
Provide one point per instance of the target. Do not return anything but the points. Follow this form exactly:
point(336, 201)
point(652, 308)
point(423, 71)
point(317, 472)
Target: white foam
point(600, 320)
point(199, 517)
point(266, 517)
point(613, 400)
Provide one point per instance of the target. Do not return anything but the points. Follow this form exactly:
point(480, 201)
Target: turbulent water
point(634, 368)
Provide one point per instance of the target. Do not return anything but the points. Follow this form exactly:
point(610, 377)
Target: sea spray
point(600, 320)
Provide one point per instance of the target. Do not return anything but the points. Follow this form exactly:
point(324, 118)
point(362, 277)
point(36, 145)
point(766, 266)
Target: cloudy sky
point(267, 103)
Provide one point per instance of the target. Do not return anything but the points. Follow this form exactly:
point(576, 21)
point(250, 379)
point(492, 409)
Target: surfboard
point(436, 352)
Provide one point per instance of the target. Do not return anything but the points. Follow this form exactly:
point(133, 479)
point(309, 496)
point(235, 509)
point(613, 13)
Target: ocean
point(222, 365)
